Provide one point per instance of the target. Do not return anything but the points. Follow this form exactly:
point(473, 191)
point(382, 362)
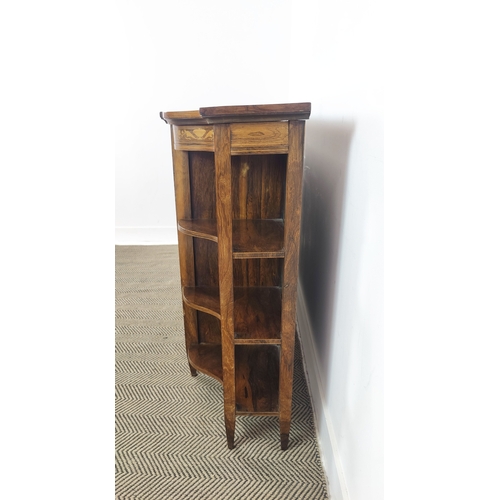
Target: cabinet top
point(231, 114)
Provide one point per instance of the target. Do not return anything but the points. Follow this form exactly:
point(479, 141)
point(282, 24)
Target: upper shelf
point(200, 228)
point(231, 114)
point(252, 238)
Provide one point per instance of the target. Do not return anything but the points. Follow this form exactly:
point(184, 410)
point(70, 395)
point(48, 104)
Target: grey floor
point(170, 437)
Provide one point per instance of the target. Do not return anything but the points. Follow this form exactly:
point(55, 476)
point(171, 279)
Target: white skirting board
point(325, 430)
point(153, 235)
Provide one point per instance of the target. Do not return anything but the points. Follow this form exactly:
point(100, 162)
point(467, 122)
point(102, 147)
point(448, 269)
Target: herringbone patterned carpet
point(170, 437)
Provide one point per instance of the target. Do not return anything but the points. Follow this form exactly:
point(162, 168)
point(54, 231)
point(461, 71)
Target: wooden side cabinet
point(238, 189)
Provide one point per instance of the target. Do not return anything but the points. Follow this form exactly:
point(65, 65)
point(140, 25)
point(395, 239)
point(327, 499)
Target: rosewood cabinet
point(238, 188)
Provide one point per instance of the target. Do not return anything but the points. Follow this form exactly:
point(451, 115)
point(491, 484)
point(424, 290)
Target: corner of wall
point(325, 430)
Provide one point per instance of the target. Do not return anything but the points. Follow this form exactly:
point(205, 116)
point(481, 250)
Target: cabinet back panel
point(202, 179)
point(208, 328)
point(205, 262)
point(257, 272)
point(257, 186)
point(202, 176)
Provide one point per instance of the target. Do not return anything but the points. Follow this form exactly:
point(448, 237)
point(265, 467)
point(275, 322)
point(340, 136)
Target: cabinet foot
point(284, 442)
point(230, 425)
point(230, 438)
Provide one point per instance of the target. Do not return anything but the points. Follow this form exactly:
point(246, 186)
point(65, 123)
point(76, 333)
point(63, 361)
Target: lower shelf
point(256, 374)
point(257, 378)
point(207, 359)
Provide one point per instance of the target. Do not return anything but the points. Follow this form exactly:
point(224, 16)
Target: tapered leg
point(284, 438)
point(230, 421)
point(285, 411)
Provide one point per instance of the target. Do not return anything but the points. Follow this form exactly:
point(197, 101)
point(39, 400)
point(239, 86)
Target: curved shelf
point(207, 359)
point(257, 311)
point(252, 238)
point(202, 298)
point(199, 228)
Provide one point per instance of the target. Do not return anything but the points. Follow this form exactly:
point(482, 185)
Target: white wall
point(181, 56)
point(341, 268)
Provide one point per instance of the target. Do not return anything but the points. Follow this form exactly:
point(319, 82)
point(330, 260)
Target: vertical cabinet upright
point(238, 185)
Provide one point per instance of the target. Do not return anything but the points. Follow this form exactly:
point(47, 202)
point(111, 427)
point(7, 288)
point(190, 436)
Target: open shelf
point(257, 315)
point(207, 358)
point(258, 238)
point(257, 311)
point(252, 238)
point(257, 378)
point(200, 228)
point(202, 298)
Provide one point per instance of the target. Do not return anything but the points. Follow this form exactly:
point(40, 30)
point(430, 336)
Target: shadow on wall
point(325, 171)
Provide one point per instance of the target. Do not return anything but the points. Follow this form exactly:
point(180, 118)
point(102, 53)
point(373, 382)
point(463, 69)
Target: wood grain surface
point(232, 114)
point(238, 184)
point(251, 238)
point(259, 138)
point(257, 378)
point(225, 245)
point(193, 137)
point(290, 273)
point(185, 243)
point(207, 358)
point(257, 314)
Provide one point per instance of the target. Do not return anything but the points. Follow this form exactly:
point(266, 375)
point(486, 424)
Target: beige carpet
point(170, 436)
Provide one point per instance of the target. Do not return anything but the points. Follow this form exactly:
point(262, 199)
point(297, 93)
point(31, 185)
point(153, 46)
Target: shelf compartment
point(258, 238)
point(207, 359)
point(257, 378)
point(257, 315)
point(203, 298)
point(257, 311)
point(252, 238)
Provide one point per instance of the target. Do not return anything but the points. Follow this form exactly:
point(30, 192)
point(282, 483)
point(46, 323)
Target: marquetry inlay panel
point(259, 138)
point(194, 137)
